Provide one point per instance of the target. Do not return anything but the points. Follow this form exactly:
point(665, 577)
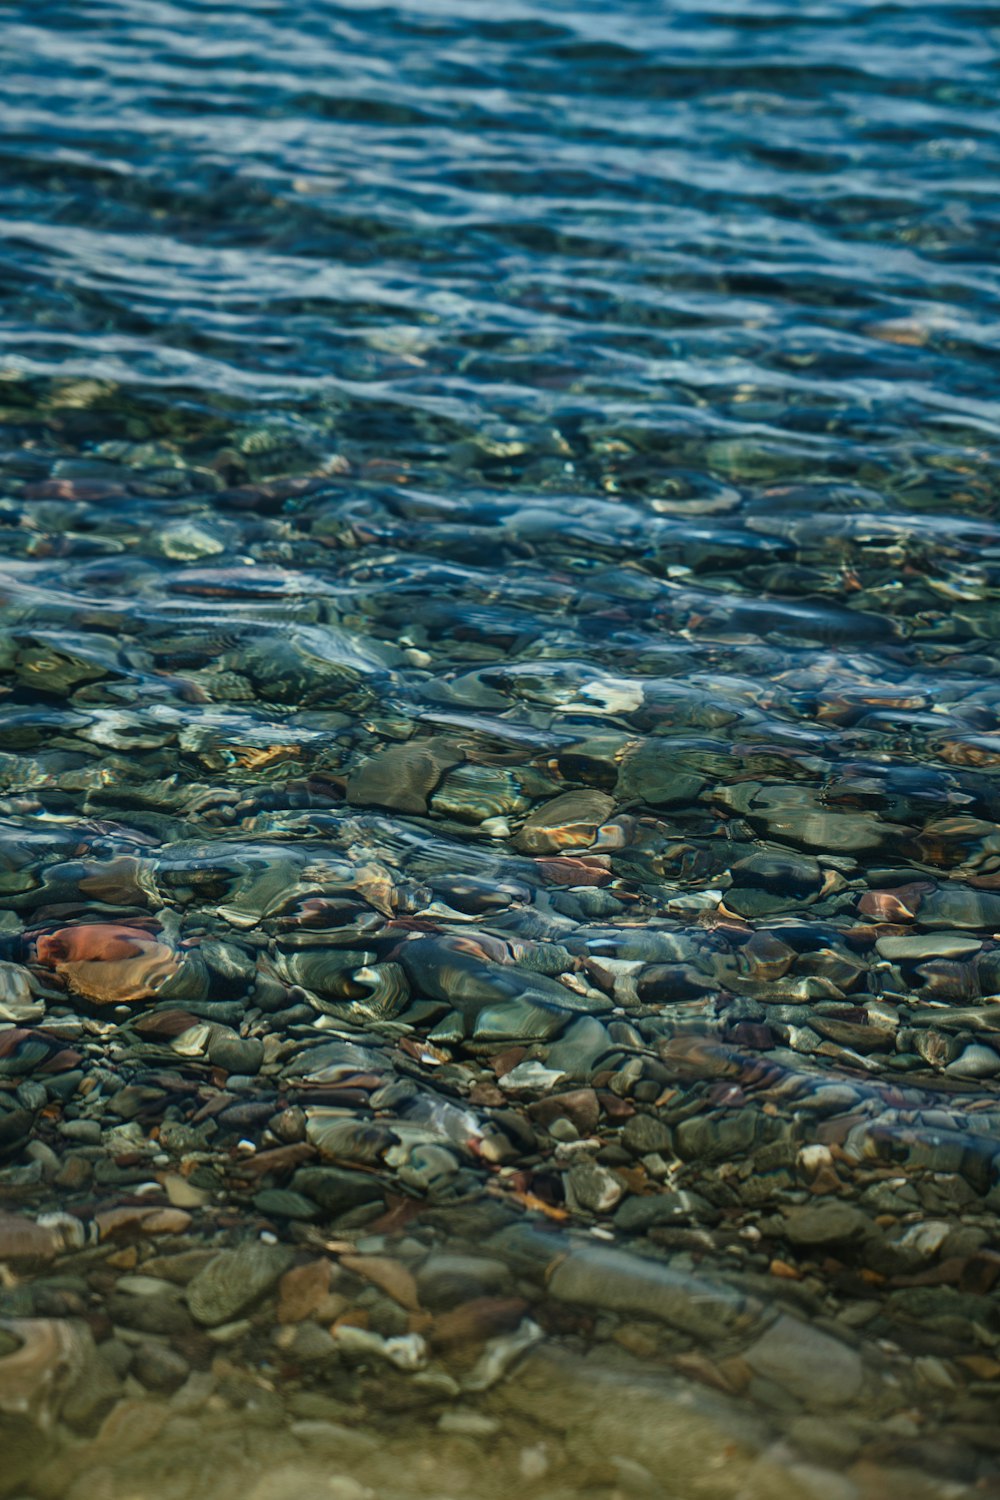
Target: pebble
point(159, 1368)
point(234, 1054)
point(445, 1280)
point(819, 1370)
point(975, 1061)
point(621, 1282)
point(828, 1223)
point(84, 1132)
point(234, 1280)
point(21, 1239)
point(593, 1188)
point(474, 1424)
point(913, 947)
point(645, 1135)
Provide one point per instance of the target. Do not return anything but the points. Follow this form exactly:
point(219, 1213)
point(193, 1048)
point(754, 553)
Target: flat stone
point(336, 1189)
point(645, 1135)
point(594, 1188)
point(236, 1054)
point(569, 821)
point(234, 1280)
point(159, 1368)
point(283, 1203)
point(445, 1280)
point(302, 1290)
point(579, 1106)
point(829, 1223)
point(636, 1215)
point(621, 1282)
point(607, 1408)
point(22, 1239)
point(976, 1061)
point(818, 1369)
point(918, 945)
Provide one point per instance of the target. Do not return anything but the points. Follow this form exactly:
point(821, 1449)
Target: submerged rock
point(234, 1280)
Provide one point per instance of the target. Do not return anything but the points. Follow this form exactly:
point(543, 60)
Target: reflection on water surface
point(498, 755)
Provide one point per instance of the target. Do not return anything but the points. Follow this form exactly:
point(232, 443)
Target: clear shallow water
point(499, 649)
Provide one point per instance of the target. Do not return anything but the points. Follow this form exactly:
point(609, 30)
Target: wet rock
point(159, 1368)
point(593, 1188)
point(157, 1309)
point(645, 1135)
point(919, 945)
point(476, 1321)
point(569, 821)
point(620, 1282)
point(578, 1051)
point(975, 1061)
point(92, 1394)
point(283, 1203)
point(234, 1280)
point(22, 1239)
point(817, 1369)
point(652, 774)
point(48, 1356)
point(831, 1222)
point(607, 1409)
point(107, 963)
point(309, 1343)
point(302, 1290)
point(235, 1054)
point(579, 1106)
point(402, 776)
point(444, 1280)
point(636, 1215)
point(720, 1137)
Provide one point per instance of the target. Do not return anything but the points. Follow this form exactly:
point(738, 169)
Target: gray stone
point(621, 1282)
point(638, 1214)
point(336, 1189)
point(818, 1369)
point(446, 1280)
point(159, 1368)
point(84, 1132)
point(831, 1222)
point(645, 1135)
point(92, 1394)
point(721, 1136)
point(976, 1061)
point(234, 1280)
point(594, 1188)
point(313, 1344)
point(917, 945)
point(160, 1313)
point(236, 1054)
point(283, 1203)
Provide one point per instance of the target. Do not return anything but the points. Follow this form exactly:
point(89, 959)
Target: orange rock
point(390, 1276)
point(983, 1366)
point(106, 962)
point(124, 1260)
point(476, 1321)
point(567, 870)
point(354, 1317)
point(128, 1220)
point(637, 1340)
point(302, 1290)
point(784, 1270)
point(700, 1367)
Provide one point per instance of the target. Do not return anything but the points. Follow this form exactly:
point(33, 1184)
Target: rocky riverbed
point(499, 745)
